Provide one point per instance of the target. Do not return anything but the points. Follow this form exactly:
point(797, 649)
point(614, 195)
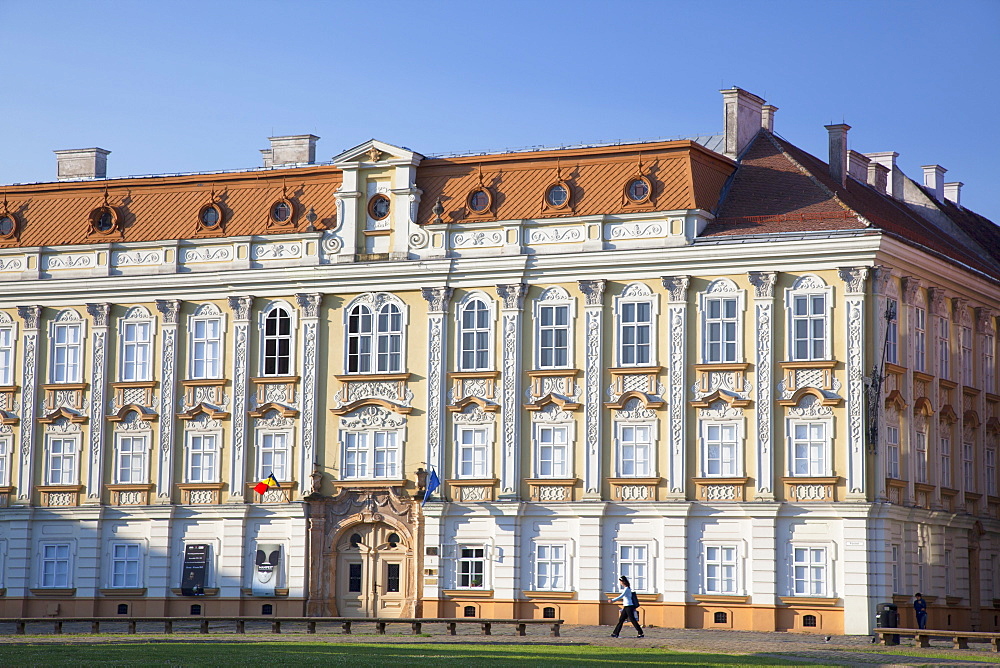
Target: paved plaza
point(804, 648)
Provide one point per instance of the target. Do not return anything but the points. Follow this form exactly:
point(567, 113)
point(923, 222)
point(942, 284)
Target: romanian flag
point(266, 484)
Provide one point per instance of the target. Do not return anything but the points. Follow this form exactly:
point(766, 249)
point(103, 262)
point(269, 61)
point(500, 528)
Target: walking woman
point(629, 604)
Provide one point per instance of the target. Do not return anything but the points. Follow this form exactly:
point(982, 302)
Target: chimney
point(82, 163)
point(934, 180)
point(953, 191)
point(742, 115)
point(857, 165)
point(767, 117)
point(838, 151)
point(895, 176)
point(878, 176)
point(290, 150)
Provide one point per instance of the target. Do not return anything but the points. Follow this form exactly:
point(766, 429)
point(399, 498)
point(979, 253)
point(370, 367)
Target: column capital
point(854, 278)
point(241, 306)
point(309, 302)
point(170, 308)
point(593, 290)
point(677, 286)
point(99, 312)
point(763, 283)
point(32, 316)
point(512, 294)
point(910, 286)
point(437, 298)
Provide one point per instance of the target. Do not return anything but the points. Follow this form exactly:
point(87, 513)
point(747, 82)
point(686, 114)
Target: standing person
point(920, 607)
point(629, 604)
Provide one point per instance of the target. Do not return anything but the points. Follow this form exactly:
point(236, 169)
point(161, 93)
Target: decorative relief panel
point(372, 417)
point(390, 388)
point(137, 258)
point(12, 263)
point(632, 382)
point(555, 235)
point(477, 239)
point(482, 385)
point(637, 230)
point(202, 254)
point(277, 251)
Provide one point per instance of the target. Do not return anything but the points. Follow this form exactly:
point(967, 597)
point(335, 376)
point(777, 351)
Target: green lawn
point(264, 655)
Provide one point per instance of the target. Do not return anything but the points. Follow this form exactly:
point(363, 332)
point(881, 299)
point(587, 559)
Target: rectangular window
point(130, 460)
point(721, 448)
point(136, 345)
point(277, 343)
point(360, 328)
point(553, 335)
point(550, 567)
point(809, 571)
point(66, 353)
point(552, 450)
point(894, 561)
point(920, 449)
point(809, 327)
point(273, 456)
point(354, 578)
point(920, 339)
point(61, 467)
point(965, 340)
point(991, 471)
point(206, 344)
point(633, 563)
point(809, 446)
point(720, 569)
point(473, 453)
point(55, 566)
point(6, 356)
point(892, 333)
point(989, 363)
point(634, 333)
point(635, 443)
point(721, 330)
point(392, 578)
point(892, 452)
point(472, 568)
point(4, 464)
point(202, 458)
point(125, 566)
point(389, 340)
point(371, 454)
point(944, 348)
point(945, 452)
point(475, 340)
point(968, 466)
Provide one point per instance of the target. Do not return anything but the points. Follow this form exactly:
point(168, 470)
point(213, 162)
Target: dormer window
point(557, 196)
point(638, 190)
point(378, 207)
point(281, 211)
point(8, 226)
point(210, 216)
point(104, 220)
point(479, 200)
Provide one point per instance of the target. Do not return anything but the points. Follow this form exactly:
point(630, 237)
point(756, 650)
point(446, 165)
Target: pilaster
point(98, 375)
point(593, 367)
point(241, 307)
point(677, 287)
point(512, 296)
point(763, 283)
point(170, 310)
point(32, 316)
point(437, 339)
point(855, 279)
point(310, 304)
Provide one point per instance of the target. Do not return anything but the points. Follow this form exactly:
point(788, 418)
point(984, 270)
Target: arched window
point(474, 354)
point(277, 340)
point(809, 620)
point(375, 335)
point(721, 618)
point(389, 336)
point(359, 340)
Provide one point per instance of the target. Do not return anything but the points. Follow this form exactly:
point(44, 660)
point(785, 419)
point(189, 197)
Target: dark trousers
point(628, 614)
point(921, 620)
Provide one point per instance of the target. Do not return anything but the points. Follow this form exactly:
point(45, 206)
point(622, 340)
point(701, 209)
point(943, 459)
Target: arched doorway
point(372, 571)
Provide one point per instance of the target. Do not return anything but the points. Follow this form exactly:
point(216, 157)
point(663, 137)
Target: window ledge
point(549, 373)
point(721, 598)
point(123, 591)
point(79, 387)
point(203, 382)
point(808, 364)
point(53, 591)
point(722, 366)
point(566, 595)
point(368, 483)
point(472, 374)
point(280, 592)
point(922, 377)
point(809, 600)
point(643, 598)
point(468, 593)
point(207, 591)
point(373, 376)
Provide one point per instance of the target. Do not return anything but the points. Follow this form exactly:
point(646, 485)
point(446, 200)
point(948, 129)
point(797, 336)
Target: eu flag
point(432, 483)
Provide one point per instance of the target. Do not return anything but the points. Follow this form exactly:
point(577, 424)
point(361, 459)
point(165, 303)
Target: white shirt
point(625, 597)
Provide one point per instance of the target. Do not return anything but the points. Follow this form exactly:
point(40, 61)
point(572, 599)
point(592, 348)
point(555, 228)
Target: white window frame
point(892, 450)
point(809, 286)
point(365, 443)
point(265, 338)
point(825, 590)
point(5, 452)
point(485, 449)
point(70, 371)
point(632, 296)
point(946, 477)
point(943, 340)
point(476, 332)
point(894, 562)
point(69, 450)
point(920, 457)
point(920, 338)
point(373, 361)
point(736, 457)
point(546, 553)
point(824, 471)
point(989, 363)
point(969, 466)
point(652, 428)
point(8, 348)
point(283, 472)
point(205, 314)
point(215, 454)
point(722, 563)
point(483, 561)
point(138, 459)
point(53, 578)
point(990, 461)
point(627, 564)
point(537, 445)
point(892, 332)
point(125, 553)
point(722, 290)
point(140, 367)
point(554, 298)
point(965, 349)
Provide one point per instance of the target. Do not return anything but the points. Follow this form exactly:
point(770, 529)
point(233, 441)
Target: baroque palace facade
point(761, 385)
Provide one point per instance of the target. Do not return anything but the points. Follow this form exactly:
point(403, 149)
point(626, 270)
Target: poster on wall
point(266, 570)
point(195, 570)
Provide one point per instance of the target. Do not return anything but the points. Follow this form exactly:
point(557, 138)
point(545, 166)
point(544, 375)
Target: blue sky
point(176, 86)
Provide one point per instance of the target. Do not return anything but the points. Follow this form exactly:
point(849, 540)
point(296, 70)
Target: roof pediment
point(373, 151)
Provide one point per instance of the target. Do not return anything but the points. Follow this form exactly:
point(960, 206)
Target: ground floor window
point(720, 569)
point(809, 571)
point(550, 567)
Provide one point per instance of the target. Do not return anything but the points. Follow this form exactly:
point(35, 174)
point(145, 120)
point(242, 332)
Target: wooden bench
point(346, 623)
point(922, 637)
